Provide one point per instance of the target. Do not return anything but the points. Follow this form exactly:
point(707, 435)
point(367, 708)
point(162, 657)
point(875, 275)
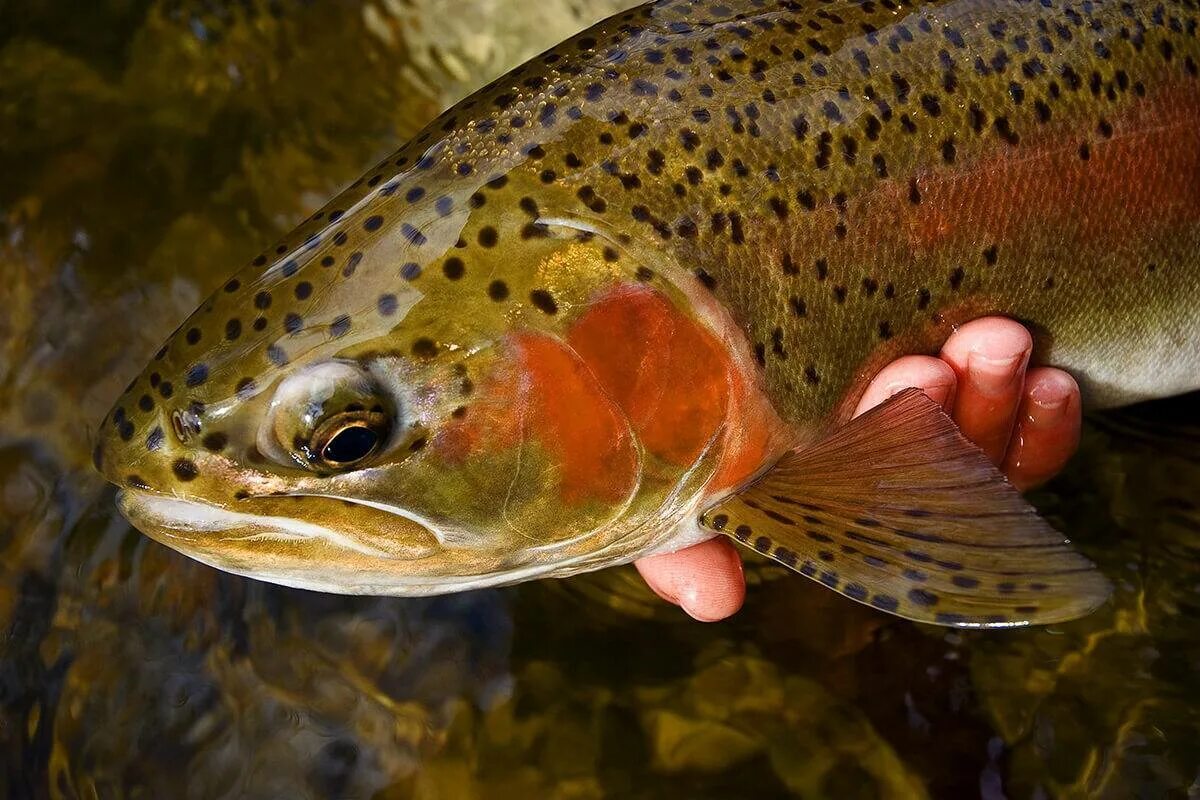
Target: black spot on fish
point(340, 326)
point(412, 234)
point(196, 374)
point(215, 441)
point(155, 439)
point(543, 301)
point(185, 469)
point(424, 348)
point(922, 597)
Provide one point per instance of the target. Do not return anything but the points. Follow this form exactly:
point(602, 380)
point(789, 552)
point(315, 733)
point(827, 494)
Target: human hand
point(1026, 420)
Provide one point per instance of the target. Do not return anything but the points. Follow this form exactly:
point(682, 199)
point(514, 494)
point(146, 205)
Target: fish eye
point(328, 417)
point(352, 440)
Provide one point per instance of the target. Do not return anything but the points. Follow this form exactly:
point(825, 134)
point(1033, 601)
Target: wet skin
point(1026, 419)
point(627, 338)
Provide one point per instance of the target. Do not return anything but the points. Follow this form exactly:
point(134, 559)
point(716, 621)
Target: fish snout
point(142, 445)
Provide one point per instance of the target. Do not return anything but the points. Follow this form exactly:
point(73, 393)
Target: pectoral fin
point(898, 511)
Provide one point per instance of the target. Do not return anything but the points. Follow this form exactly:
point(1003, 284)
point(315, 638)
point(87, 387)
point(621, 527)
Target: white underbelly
point(1139, 360)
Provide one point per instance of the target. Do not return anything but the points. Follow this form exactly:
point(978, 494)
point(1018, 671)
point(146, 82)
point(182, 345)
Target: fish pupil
point(350, 444)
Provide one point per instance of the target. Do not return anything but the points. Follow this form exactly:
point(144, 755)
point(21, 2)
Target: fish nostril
point(185, 423)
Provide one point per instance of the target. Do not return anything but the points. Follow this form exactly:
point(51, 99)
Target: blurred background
point(149, 149)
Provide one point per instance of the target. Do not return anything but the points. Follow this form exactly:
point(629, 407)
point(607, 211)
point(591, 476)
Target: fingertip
point(715, 588)
point(989, 356)
point(705, 580)
point(1051, 394)
point(994, 338)
point(932, 375)
point(1048, 428)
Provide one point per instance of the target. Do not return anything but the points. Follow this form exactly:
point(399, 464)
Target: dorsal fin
point(897, 510)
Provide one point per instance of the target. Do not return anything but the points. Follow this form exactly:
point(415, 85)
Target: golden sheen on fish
point(624, 299)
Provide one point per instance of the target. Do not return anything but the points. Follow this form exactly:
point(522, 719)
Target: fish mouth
point(266, 544)
point(371, 550)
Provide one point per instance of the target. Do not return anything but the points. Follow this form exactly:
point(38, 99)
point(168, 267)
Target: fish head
point(413, 396)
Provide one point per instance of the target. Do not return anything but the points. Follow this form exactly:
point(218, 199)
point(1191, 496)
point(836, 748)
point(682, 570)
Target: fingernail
point(994, 376)
point(1048, 402)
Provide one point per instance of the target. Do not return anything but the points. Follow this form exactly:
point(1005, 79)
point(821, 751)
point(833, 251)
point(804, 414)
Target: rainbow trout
point(625, 298)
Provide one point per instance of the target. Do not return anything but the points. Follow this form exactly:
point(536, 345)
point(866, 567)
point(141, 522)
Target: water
point(147, 151)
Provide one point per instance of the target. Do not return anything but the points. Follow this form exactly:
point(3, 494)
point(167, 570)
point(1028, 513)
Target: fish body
point(584, 310)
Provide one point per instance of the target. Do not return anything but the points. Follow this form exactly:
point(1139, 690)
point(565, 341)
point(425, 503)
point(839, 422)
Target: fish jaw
point(272, 546)
point(406, 561)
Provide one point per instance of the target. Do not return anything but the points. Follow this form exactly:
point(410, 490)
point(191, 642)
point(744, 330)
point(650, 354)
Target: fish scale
point(779, 150)
point(832, 171)
point(794, 193)
point(814, 166)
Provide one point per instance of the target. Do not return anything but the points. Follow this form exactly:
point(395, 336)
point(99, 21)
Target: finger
point(1047, 430)
point(989, 356)
point(705, 579)
point(932, 375)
